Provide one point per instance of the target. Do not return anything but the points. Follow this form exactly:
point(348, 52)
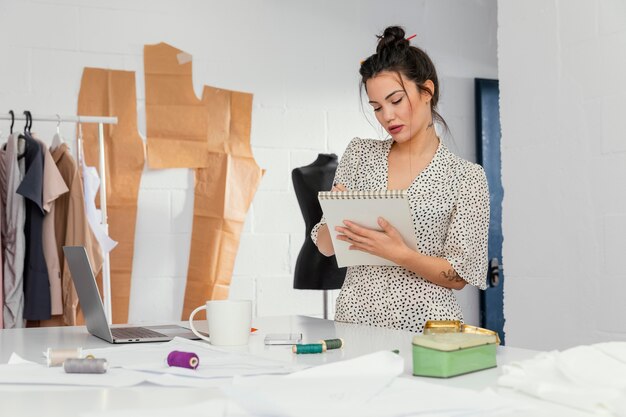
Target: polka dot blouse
point(449, 202)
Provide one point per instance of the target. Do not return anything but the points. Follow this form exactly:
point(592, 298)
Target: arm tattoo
point(451, 275)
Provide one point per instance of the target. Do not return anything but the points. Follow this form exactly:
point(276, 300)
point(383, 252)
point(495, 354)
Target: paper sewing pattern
point(211, 134)
point(112, 93)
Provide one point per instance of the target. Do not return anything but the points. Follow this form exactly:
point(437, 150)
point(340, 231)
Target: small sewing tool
point(332, 343)
point(85, 366)
point(56, 357)
point(183, 359)
point(309, 348)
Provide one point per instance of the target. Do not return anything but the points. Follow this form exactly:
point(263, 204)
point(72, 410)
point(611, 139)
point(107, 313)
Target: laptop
point(93, 310)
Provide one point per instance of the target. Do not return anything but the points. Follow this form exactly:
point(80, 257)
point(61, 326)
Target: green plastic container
point(450, 354)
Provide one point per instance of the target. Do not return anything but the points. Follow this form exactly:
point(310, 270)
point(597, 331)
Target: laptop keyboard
point(134, 333)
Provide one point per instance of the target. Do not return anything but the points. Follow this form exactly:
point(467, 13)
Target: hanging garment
point(36, 282)
point(2, 202)
point(112, 93)
point(91, 184)
point(1, 280)
point(13, 240)
point(53, 187)
point(213, 136)
point(72, 229)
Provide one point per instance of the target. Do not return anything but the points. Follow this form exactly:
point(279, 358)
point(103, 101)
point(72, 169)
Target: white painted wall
point(562, 66)
point(300, 59)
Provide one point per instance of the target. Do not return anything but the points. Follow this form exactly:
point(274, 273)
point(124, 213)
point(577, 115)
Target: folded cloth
point(591, 378)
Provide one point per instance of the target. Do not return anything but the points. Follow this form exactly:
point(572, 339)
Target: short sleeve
point(343, 175)
point(31, 186)
point(465, 245)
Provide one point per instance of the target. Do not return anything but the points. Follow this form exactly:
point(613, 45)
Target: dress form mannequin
point(315, 271)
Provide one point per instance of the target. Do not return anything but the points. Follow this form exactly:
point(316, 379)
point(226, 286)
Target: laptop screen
point(88, 294)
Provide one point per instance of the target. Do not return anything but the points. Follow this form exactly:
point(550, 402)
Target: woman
point(448, 196)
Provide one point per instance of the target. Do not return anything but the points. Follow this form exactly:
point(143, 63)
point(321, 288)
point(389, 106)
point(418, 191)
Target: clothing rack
point(101, 121)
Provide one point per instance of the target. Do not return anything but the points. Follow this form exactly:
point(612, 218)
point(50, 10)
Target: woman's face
point(403, 114)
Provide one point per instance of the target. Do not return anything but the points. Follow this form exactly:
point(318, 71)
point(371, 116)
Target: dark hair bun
point(393, 38)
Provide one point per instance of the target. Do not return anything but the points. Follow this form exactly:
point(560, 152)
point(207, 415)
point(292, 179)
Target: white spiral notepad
point(364, 208)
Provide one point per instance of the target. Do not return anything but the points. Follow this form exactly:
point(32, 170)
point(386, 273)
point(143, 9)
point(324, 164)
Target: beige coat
point(72, 229)
point(53, 187)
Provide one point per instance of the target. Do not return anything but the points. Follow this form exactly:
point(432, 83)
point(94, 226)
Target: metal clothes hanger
point(21, 139)
point(57, 140)
point(30, 120)
point(11, 131)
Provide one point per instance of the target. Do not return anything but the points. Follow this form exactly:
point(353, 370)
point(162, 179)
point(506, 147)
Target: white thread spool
point(56, 357)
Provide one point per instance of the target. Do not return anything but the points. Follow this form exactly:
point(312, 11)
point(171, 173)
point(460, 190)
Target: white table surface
point(69, 401)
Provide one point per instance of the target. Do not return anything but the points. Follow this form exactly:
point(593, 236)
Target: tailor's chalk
point(182, 359)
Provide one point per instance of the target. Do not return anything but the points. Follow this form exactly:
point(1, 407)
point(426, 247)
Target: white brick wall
point(300, 59)
point(561, 66)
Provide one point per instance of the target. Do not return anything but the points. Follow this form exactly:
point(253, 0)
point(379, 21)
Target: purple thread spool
point(183, 359)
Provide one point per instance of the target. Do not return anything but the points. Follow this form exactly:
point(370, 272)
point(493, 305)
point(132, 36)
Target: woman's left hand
point(387, 244)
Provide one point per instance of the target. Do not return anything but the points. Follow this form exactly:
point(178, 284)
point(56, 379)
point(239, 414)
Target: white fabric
point(217, 407)
point(590, 378)
point(134, 364)
point(91, 184)
point(214, 362)
point(367, 386)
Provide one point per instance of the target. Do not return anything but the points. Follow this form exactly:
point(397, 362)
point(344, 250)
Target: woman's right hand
point(338, 187)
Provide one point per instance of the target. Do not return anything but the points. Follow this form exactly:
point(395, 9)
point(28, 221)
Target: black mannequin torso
point(314, 270)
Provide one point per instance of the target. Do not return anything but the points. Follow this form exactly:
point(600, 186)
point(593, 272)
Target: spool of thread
point(56, 357)
point(183, 359)
point(309, 348)
point(332, 343)
point(85, 366)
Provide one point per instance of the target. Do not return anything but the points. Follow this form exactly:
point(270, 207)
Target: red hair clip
point(411, 37)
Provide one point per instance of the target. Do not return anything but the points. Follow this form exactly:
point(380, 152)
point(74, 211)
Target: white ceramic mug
point(229, 322)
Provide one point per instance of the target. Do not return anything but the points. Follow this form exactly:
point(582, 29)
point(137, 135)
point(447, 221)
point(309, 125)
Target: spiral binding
point(356, 195)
